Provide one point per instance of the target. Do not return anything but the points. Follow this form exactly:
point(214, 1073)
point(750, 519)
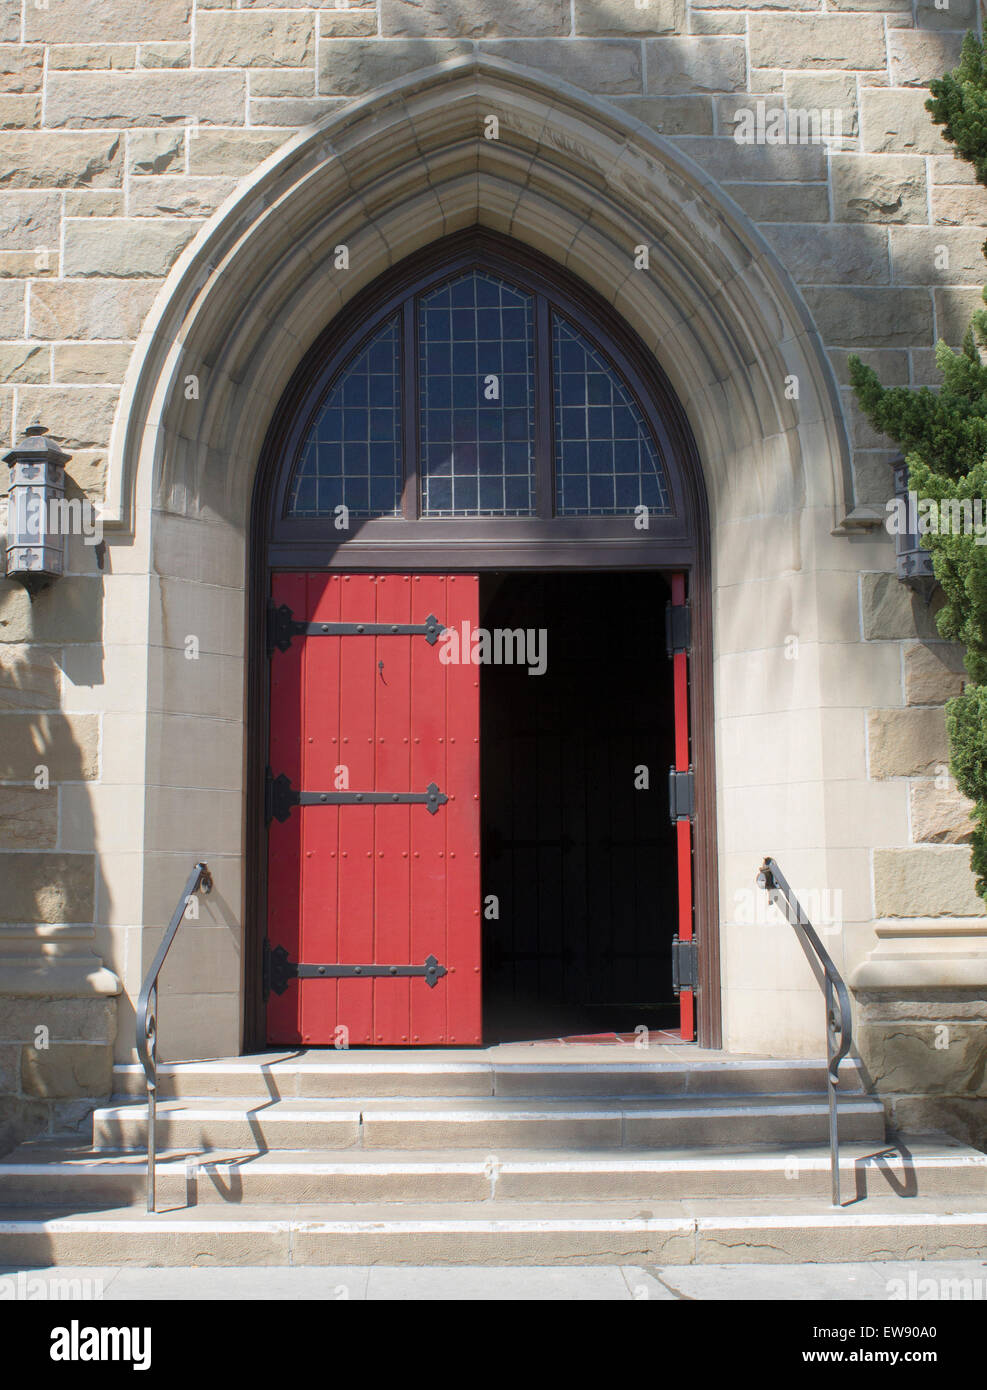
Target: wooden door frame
point(475, 546)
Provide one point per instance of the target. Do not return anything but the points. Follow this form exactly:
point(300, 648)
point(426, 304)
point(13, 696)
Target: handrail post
point(147, 1019)
point(831, 1084)
point(839, 1020)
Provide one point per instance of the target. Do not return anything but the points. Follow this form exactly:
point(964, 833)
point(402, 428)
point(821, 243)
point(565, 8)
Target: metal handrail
point(147, 1008)
point(839, 1019)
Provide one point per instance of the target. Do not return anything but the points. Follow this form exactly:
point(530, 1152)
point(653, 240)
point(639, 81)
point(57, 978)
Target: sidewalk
point(952, 1281)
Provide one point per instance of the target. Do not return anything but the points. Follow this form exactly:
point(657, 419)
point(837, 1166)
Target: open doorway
point(578, 851)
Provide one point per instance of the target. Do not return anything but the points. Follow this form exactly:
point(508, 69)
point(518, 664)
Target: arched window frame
point(669, 539)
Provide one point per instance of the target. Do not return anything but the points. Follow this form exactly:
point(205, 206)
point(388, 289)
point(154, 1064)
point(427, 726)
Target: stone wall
point(123, 127)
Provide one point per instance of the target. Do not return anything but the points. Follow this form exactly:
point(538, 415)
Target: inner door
point(373, 919)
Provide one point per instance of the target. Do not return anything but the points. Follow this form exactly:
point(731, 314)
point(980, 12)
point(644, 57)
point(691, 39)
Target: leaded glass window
point(476, 388)
point(352, 456)
point(606, 462)
point(474, 396)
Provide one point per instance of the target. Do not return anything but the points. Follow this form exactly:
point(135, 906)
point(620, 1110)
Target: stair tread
point(38, 1156)
point(450, 1106)
point(735, 1212)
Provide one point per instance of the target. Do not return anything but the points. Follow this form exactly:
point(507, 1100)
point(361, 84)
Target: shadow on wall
point(57, 1016)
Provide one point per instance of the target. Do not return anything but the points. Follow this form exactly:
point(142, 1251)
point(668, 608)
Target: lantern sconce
point(913, 563)
point(35, 536)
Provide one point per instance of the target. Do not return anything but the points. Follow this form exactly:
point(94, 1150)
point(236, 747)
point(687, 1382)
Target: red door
point(373, 927)
point(683, 823)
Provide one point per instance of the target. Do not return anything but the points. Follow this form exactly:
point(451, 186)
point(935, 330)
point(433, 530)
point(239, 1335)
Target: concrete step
point(323, 1073)
point(713, 1232)
point(438, 1123)
point(80, 1179)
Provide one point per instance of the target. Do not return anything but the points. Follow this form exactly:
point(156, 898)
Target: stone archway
point(572, 177)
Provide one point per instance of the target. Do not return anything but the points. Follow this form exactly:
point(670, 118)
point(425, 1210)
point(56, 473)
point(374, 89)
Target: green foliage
point(959, 104)
point(944, 437)
point(949, 425)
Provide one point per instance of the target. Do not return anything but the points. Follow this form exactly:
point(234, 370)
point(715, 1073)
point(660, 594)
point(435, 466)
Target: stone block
point(28, 818)
point(781, 202)
point(282, 82)
point(940, 816)
point(233, 152)
point(335, 23)
point(958, 15)
point(879, 188)
point(92, 1019)
point(49, 159)
point(106, 21)
point(24, 362)
point(727, 162)
point(825, 92)
point(848, 255)
point(86, 57)
point(954, 310)
point(934, 255)
point(487, 19)
point(100, 363)
point(891, 366)
point(852, 318)
point(872, 483)
point(686, 115)
point(892, 610)
point(292, 111)
point(98, 202)
point(895, 121)
point(907, 742)
point(47, 887)
point(156, 151)
point(959, 206)
point(20, 112)
point(917, 56)
point(703, 64)
point(262, 39)
point(909, 1056)
point(165, 55)
point(615, 19)
point(21, 67)
point(927, 881)
point(817, 41)
point(79, 100)
point(20, 1120)
point(66, 1070)
point(63, 311)
point(11, 310)
point(29, 678)
point(15, 612)
point(348, 67)
point(178, 197)
point(29, 220)
point(934, 672)
point(67, 745)
point(78, 419)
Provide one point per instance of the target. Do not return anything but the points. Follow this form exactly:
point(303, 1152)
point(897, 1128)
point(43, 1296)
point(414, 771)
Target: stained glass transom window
point(476, 389)
point(353, 453)
point(606, 462)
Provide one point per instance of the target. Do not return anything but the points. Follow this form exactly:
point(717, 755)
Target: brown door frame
point(411, 545)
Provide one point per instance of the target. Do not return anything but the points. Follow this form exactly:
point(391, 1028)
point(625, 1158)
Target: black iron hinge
point(280, 796)
point(282, 626)
point(681, 794)
point(678, 628)
point(279, 971)
point(685, 965)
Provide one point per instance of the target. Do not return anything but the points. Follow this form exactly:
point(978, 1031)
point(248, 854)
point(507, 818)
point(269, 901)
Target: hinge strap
point(282, 627)
point(681, 794)
point(280, 796)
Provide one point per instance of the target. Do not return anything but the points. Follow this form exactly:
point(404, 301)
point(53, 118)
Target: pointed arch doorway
point(462, 814)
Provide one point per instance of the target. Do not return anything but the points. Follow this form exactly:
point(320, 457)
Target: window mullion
point(411, 435)
point(544, 451)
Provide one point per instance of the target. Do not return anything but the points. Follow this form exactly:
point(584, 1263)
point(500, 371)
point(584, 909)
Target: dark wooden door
point(360, 879)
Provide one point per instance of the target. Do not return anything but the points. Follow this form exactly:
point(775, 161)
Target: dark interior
point(582, 862)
